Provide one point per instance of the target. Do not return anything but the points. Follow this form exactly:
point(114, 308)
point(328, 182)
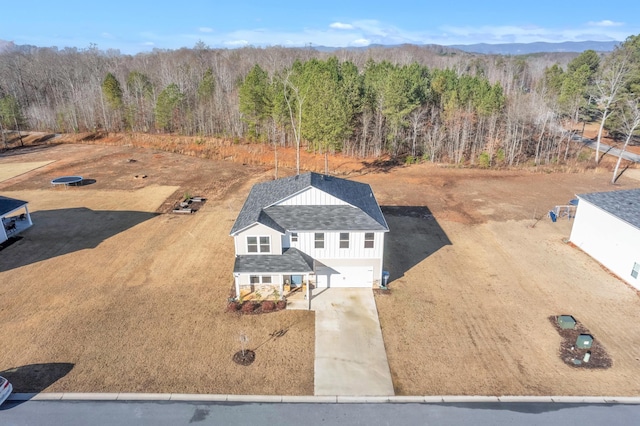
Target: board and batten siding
point(609, 240)
point(312, 197)
point(258, 230)
point(332, 250)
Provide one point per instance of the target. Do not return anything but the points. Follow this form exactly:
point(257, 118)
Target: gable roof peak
point(269, 193)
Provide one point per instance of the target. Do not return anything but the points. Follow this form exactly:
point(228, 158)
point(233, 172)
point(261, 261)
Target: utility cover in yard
point(566, 322)
point(584, 341)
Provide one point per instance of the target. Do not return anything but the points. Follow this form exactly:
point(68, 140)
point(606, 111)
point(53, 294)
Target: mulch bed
point(382, 291)
point(255, 308)
point(569, 352)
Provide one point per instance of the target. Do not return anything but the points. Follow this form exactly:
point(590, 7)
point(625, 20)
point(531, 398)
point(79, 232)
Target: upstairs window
point(294, 237)
point(252, 244)
point(344, 240)
point(265, 246)
point(319, 240)
point(258, 245)
point(368, 239)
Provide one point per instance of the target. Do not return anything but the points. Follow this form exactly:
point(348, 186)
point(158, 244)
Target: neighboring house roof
point(622, 204)
point(8, 205)
point(291, 260)
point(266, 194)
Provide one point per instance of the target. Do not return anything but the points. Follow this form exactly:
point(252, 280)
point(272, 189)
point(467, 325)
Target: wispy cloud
point(341, 26)
point(236, 43)
point(364, 32)
point(605, 23)
point(529, 34)
point(361, 42)
point(374, 27)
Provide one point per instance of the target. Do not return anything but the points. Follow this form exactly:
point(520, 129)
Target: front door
point(296, 280)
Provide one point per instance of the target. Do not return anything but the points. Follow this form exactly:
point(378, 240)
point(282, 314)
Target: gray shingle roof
point(322, 218)
point(291, 260)
point(9, 204)
point(622, 204)
point(264, 195)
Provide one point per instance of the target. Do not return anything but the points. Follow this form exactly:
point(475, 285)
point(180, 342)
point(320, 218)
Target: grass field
point(107, 292)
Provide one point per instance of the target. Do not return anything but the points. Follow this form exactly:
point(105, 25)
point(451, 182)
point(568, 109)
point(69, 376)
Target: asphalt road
point(71, 413)
point(606, 149)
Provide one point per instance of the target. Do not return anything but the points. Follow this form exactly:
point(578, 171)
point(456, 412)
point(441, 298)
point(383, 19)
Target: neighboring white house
point(308, 228)
point(15, 217)
point(607, 227)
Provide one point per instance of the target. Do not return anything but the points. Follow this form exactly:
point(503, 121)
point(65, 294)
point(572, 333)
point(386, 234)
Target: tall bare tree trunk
point(4, 137)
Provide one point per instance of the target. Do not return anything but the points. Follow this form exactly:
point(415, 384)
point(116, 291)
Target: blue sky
point(137, 26)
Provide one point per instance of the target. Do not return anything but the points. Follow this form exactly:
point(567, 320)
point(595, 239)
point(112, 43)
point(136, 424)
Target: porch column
point(26, 209)
point(236, 279)
point(281, 287)
point(308, 295)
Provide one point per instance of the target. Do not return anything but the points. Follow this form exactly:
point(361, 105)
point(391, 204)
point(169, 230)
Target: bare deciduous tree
point(608, 86)
point(630, 122)
point(295, 97)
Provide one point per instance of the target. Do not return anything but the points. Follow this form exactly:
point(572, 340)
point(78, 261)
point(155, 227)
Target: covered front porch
point(273, 277)
point(15, 217)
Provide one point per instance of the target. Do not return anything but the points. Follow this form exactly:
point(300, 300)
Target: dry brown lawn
point(475, 285)
point(130, 298)
point(133, 299)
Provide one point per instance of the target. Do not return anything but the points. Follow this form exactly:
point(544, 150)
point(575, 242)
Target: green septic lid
point(584, 341)
point(566, 322)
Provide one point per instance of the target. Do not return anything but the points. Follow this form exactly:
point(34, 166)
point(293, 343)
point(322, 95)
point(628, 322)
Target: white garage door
point(345, 276)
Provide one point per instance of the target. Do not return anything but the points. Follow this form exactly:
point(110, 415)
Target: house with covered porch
point(308, 230)
point(15, 217)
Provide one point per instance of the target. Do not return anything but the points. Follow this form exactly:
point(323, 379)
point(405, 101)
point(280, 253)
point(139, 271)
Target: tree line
point(417, 103)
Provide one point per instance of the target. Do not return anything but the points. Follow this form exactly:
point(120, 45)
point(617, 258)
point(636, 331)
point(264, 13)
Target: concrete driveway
point(350, 354)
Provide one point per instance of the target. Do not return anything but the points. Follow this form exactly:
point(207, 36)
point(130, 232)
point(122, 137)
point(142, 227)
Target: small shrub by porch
point(251, 307)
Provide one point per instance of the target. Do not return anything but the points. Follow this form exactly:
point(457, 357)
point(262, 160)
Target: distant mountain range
point(502, 49)
point(537, 47)
point(483, 48)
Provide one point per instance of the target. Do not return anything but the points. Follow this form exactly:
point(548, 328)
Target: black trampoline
point(67, 180)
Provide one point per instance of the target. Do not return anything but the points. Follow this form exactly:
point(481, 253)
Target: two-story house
point(309, 228)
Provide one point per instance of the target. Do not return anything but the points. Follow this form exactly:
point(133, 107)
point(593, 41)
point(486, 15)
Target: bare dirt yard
point(109, 292)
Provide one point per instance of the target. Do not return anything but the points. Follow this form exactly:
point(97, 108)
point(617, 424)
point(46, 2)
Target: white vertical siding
point(332, 250)
point(258, 230)
point(312, 197)
point(609, 240)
